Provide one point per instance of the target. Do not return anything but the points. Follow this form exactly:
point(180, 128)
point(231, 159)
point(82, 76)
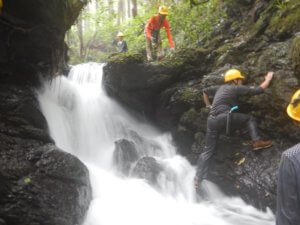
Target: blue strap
point(233, 108)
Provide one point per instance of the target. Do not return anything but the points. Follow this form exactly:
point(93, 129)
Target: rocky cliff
point(258, 36)
point(39, 183)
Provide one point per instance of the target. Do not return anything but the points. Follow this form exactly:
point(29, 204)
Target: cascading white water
point(84, 121)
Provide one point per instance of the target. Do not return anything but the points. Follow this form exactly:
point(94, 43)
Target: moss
point(263, 21)
point(294, 54)
point(189, 116)
point(184, 56)
point(124, 58)
point(286, 20)
point(224, 48)
point(189, 94)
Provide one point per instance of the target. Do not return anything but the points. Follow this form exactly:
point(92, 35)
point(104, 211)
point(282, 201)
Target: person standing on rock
point(226, 97)
point(122, 45)
point(288, 187)
point(152, 29)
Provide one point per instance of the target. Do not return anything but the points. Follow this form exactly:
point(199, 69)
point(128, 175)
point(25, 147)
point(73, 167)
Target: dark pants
point(217, 125)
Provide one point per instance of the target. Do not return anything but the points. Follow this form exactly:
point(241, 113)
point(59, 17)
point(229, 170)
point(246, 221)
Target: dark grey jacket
point(122, 45)
point(227, 96)
point(288, 189)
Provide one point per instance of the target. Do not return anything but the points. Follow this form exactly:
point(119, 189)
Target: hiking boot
point(260, 144)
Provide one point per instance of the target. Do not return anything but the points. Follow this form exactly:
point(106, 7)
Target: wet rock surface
point(39, 183)
point(147, 168)
point(175, 103)
point(125, 154)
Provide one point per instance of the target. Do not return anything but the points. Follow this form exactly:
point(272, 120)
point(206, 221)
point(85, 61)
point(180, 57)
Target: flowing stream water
point(84, 121)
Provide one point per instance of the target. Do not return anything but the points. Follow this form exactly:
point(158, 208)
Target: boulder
point(147, 168)
point(124, 156)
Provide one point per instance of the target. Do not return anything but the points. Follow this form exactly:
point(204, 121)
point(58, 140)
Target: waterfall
point(84, 121)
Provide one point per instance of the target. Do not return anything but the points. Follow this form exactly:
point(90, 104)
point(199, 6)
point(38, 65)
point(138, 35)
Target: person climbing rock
point(152, 29)
point(122, 45)
point(288, 186)
point(226, 97)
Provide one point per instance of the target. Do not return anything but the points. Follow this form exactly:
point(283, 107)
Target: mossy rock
point(294, 54)
point(125, 58)
point(184, 56)
point(286, 21)
point(189, 117)
point(189, 94)
point(263, 21)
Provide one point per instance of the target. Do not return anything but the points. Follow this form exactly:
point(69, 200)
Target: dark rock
point(40, 184)
point(144, 146)
point(125, 154)
point(38, 188)
point(2, 222)
point(32, 38)
point(38, 181)
point(147, 168)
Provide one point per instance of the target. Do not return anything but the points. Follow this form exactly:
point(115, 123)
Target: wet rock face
point(32, 37)
point(147, 168)
point(40, 184)
point(125, 154)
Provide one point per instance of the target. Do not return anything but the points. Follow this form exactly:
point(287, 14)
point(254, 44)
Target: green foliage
point(282, 5)
point(189, 94)
point(287, 17)
point(295, 55)
point(189, 26)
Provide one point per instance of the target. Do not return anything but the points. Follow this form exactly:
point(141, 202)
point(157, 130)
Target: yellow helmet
point(293, 109)
point(163, 10)
point(233, 74)
point(120, 34)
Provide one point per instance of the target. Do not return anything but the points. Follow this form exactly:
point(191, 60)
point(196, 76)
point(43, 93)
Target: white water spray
point(85, 122)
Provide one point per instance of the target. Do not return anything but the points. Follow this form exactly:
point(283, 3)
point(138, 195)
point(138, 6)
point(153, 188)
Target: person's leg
point(209, 149)
point(240, 120)
point(149, 49)
point(159, 48)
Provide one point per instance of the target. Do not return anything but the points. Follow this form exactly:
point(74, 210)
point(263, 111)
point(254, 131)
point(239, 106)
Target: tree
point(80, 37)
point(134, 8)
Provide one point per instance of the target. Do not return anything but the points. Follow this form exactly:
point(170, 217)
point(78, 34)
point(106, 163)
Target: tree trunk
point(134, 8)
point(80, 37)
point(121, 10)
point(111, 6)
point(128, 9)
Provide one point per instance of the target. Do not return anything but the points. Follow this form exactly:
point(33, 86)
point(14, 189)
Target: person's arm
point(148, 28)
point(168, 31)
point(206, 100)
point(267, 81)
point(249, 91)
point(210, 91)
